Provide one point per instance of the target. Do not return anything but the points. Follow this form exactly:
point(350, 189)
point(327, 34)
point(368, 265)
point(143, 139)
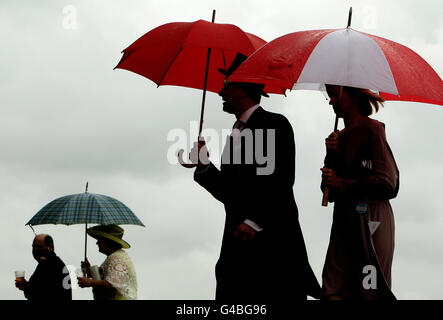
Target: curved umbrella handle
point(324, 201)
point(182, 162)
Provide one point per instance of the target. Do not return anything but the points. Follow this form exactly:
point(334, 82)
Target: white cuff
point(253, 225)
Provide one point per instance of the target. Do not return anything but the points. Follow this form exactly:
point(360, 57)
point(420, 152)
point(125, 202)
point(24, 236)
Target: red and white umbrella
point(307, 59)
point(346, 57)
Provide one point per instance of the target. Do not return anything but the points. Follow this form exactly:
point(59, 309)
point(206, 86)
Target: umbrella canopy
point(307, 59)
point(176, 53)
point(85, 208)
point(190, 54)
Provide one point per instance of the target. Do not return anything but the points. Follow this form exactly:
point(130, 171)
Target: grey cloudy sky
point(67, 117)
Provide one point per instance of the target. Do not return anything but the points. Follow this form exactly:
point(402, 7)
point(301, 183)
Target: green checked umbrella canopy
point(85, 208)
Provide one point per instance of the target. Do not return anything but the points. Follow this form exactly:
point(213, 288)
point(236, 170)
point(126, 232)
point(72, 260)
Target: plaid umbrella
point(85, 208)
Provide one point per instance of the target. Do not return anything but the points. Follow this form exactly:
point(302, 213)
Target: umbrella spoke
point(169, 66)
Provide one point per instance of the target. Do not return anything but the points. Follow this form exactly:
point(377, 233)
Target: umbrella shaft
point(204, 86)
point(324, 201)
point(204, 93)
point(86, 239)
point(336, 124)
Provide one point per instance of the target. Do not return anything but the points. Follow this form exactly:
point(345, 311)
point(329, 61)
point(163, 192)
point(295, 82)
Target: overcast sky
point(66, 117)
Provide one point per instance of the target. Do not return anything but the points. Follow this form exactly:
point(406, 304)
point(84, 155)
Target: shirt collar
point(247, 114)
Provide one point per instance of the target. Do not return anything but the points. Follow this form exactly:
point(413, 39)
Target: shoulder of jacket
point(271, 117)
point(375, 126)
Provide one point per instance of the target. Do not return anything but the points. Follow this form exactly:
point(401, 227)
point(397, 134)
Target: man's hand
point(199, 153)
point(244, 232)
point(21, 285)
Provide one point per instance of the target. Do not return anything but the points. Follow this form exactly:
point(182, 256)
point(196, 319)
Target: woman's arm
point(379, 183)
point(88, 282)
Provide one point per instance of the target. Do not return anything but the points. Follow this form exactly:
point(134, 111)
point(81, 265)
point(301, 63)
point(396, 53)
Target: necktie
point(238, 125)
point(231, 141)
point(237, 128)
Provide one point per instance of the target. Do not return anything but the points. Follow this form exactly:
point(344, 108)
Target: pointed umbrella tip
point(86, 190)
point(349, 17)
point(213, 16)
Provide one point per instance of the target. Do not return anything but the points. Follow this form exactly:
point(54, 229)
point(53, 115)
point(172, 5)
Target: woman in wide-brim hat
point(118, 280)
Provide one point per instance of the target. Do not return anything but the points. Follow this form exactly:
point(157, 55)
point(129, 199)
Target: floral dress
point(119, 271)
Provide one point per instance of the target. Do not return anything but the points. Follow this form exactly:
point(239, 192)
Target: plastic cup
point(79, 272)
point(20, 276)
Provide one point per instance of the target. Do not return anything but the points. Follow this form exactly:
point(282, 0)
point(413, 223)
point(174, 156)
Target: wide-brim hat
point(111, 232)
point(238, 60)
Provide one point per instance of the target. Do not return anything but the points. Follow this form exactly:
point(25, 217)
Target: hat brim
point(96, 234)
point(252, 87)
point(261, 91)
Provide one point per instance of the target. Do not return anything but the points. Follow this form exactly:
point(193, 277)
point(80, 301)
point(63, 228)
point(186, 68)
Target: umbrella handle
point(324, 201)
point(182, 162)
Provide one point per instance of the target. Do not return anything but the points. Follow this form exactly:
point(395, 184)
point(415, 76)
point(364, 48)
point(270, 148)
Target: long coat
point(274, 265)
point(361, 247)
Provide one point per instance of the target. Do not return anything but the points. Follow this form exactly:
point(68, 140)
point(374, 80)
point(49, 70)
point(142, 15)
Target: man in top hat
point(118, 280)
point(263, 255)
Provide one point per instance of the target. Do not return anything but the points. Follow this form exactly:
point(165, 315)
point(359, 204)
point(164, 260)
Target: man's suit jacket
point(275, 262)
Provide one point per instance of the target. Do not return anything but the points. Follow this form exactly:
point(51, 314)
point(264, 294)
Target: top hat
point(111, 232)
point(238, 60)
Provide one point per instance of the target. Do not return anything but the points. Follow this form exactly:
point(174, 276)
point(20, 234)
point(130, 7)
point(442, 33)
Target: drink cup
point(79, 272)
point(95, 273)
point(20, 276)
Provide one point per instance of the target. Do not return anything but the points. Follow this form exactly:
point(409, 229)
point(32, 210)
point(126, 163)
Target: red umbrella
point(176, 53)
point(189, 54)
point(310, 59)
point(346, 57)
point(307, 59)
